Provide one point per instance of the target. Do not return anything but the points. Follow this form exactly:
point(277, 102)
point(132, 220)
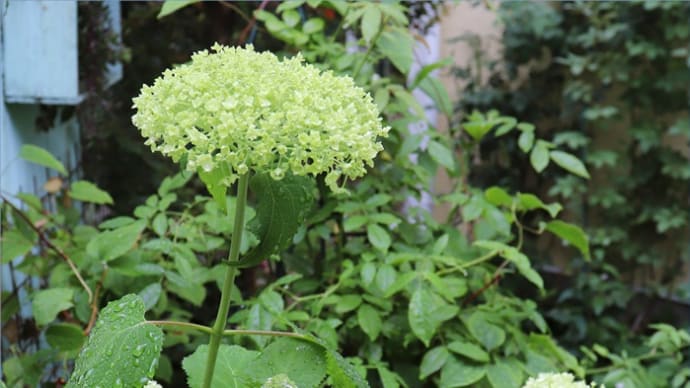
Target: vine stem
point(233, 257)
point(231, 332)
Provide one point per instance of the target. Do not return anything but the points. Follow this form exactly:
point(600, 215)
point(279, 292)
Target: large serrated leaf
point(282, 207)
point(122, 350)
point(232, 368)
point(303, 362)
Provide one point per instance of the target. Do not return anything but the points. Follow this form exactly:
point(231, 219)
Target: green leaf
point(342, 373)
point(283, 206)
point(48, 303)
point(313, 25)
point(170, 6)
point(432, 361)
point(371, 22)
point(110, 245)
point(291, 17)
point(456, 373)
point(347, 303)
point(160, 224)
point(122, 349)
point(215, 184)
point(40, 156)
point(65, 336)
point(388, 378)
point(396, 44)
point(303, 362)
point(477, 129)
point(385, 277)
point(526, 140)
point(426, 70)
point(531, 202)
point(370, 321)
point(88, 192)
point(150, 295)
point(539, 157)
point(469, 350)
point(498, 196)
point(441, 155)
point(436, 90)
point(524, 267)
point(14, 244)
point(378, 237)
point(233, 365)
point(426, 312)
point(570, 163)
point(570, 233)
point(410, 101)
point(501, 374)
point(487, 333)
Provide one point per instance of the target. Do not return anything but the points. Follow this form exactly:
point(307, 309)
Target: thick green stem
point(224, 307)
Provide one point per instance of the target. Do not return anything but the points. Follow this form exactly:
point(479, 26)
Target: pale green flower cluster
point(252, 111)
point(555, 380)
point(152, 384)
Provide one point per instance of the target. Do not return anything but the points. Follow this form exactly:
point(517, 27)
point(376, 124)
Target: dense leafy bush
point(363, 288)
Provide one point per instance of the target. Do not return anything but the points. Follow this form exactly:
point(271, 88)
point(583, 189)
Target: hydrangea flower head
point(247, 110)
point(555, 380)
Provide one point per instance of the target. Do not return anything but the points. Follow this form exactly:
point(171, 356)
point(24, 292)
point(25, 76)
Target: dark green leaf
point(426, 313)
point(170, 6)
point(46, 304)
point(487, 333)
point(378, 237)
point(502, 374)
point(469, 350)
point(456, 373)
point(65, 336)
point(120, 341)
point(570, 233)
point(283, 206)
point(432, 361)
point(150, 295)
point(347, 303)
point(570, 163)
point(40, 156)
point(233, 366)
point(370, 321)
point(388, 378)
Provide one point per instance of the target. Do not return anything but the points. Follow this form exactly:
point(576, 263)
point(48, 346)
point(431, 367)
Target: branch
point(52, 246)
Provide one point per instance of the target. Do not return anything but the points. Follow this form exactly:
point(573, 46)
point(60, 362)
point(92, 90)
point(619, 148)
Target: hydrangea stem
point(224, 307)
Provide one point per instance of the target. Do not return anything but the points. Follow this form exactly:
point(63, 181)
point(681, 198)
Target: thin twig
point(94, 303)
point(52, 246)
point(494, 279)
point(250, 25)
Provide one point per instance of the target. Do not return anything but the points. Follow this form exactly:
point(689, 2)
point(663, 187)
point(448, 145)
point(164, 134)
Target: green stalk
point(224, 307)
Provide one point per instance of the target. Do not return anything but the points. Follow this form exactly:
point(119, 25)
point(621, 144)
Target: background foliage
point(407, 299)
